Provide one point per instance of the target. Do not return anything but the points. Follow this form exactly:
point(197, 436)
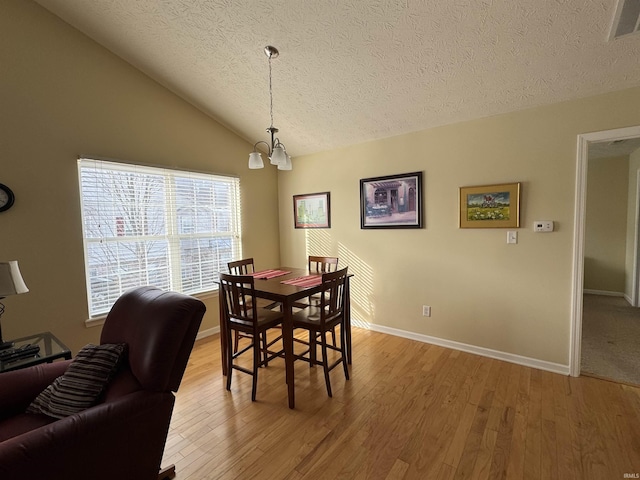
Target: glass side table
point(50, 349)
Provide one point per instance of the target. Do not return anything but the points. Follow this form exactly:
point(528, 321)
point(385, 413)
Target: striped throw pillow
point(82, 383)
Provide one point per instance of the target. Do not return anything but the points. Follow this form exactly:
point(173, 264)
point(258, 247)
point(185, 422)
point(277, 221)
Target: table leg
point(223, 333)
point(347, 318)
point(287, 339)
point(47, 345)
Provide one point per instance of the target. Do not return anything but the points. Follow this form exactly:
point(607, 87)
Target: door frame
point(579, 231)
point(635, 278)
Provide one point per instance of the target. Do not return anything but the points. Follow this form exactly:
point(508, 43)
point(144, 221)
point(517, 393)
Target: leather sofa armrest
point(130, 431)
point(19, 387)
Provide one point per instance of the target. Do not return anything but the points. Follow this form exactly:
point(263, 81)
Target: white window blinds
point(152, 226)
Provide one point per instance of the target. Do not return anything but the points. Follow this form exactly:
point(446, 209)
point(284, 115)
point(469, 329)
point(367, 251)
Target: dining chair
point(241, 267)
point(246, 267)
point(241, 314)
point(318, 264)
point(325, 317)
point(323, 264)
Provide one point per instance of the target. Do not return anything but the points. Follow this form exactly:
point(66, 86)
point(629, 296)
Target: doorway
point(584, 141)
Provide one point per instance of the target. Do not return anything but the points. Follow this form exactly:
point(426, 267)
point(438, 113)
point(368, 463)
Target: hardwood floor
point(410, 411)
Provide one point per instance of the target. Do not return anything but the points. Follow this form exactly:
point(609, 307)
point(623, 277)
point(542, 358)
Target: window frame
point(224, 206)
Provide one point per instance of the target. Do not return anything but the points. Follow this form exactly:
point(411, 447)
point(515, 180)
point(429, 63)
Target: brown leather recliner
point(123, 436)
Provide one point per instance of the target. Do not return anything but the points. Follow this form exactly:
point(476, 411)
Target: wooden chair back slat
point(332, 295)
point(238, 297)
point(322, 264)
point(241, 267)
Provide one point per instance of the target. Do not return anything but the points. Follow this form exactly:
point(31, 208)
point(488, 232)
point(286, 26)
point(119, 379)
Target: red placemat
point(306, 281)
point(267, 274)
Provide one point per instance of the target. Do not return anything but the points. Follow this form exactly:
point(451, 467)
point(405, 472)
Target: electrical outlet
point(426, 311)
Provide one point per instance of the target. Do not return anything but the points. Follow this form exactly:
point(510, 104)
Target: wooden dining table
point(274, 290)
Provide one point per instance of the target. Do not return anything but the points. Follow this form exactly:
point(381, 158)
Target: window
point(172, 229)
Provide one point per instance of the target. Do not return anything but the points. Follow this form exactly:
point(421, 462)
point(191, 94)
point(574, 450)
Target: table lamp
point(11, 283)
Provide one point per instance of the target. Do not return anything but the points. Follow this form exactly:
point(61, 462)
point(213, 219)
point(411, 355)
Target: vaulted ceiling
point(351, 71)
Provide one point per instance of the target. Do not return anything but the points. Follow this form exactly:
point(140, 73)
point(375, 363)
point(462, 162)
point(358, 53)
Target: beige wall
point(606, 224)
point(483, 292)
point(62, 95)
point(632, 216)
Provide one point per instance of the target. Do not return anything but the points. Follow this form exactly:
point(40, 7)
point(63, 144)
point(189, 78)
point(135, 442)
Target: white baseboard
point(207, 333)
point(485, 352)
point(603, 292)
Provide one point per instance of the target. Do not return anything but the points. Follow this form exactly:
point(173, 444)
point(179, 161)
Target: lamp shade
point(11, 282)
point(278, 156)
point(287, 164)
point(255, 160)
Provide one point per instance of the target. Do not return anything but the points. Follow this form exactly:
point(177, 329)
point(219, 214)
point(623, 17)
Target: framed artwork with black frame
point(393, 201)
point(312, 210)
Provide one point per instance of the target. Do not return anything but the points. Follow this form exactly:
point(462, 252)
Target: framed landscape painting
point(490, 206)
point(312, 210)
point(394, 201)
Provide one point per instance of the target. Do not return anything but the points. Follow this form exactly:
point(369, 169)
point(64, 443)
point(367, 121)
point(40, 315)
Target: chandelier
point(277, 152)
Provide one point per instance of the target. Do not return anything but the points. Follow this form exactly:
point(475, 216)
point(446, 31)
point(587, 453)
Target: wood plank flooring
point(410, 411)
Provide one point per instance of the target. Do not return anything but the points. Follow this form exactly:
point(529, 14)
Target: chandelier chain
point(270, 94)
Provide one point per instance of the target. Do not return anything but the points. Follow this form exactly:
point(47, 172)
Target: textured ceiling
point(350, 71)
point(617, 148)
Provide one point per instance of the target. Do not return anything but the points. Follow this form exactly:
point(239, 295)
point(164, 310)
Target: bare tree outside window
point(149, 226)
